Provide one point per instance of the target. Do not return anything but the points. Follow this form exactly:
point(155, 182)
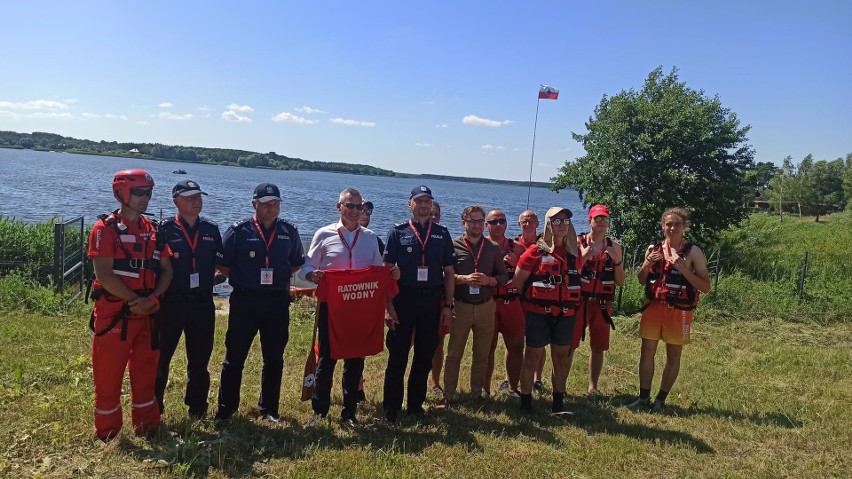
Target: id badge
point(194, 281)
point(473, 289)
point(265, 275)
point(422, 273)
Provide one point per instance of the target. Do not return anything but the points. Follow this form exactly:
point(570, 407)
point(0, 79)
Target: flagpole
point(532, 156)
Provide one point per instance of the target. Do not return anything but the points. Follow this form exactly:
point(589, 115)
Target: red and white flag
point(548, 93)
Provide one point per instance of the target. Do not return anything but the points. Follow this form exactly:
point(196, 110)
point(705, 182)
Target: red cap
point(598, 210)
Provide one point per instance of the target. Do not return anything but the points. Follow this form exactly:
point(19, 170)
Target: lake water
point(35, 185)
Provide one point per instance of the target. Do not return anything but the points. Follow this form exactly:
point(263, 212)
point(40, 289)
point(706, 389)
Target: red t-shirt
point(356, 305)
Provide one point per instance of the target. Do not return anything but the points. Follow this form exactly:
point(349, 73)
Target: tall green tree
point(847, 181)
point(664, 145)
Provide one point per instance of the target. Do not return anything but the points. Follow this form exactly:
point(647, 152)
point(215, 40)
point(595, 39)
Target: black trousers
point(197, 319)
point(352, 372)
point(418, 316)
point(249, 315)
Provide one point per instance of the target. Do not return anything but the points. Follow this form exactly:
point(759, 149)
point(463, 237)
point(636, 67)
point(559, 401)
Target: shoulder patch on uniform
point(401, 225)
point(205, 220)
point(167, 221)
point(240, 222)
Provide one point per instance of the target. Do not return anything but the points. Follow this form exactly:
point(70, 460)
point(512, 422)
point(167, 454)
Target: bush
point(19, 292)
point(27, 249)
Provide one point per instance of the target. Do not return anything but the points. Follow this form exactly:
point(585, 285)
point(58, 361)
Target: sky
point(442, 87)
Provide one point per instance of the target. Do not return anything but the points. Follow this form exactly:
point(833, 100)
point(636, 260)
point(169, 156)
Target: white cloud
point(9, 114)
point(442, 125)
point(341, 121)
point(542, 164)
point(165, 105)
point(71, 100)
point(516, 149)
point(142, 122)
point(477, 121)
point(171, 116)
point(565, 150)
point(50, 105)
point(90, 115)
point(50, 115)
point(204, 108)
point(115, 117)
point(310, 111)
point(239, 108)
point(423, 145)
point(235, 117)
point(487, 147)
point(287, 117)
point(501, 147)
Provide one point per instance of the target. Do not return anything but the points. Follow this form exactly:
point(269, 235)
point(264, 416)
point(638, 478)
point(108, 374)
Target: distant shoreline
point(49, 142)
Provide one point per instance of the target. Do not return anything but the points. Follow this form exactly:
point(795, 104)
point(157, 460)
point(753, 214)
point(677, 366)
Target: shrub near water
point(27, 249)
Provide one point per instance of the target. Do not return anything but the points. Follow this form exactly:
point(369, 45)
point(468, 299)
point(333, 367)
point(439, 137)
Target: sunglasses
point(599, 219)
point(353, 206)
point(367, 211)
point(141, 191)
point(498, 221)
point(560, 221)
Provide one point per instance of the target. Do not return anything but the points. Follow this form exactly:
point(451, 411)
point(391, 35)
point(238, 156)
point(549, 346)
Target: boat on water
point(179, 172)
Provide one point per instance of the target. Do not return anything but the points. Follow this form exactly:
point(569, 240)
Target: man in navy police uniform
point(259, 255)
point(424, 252)
point(187, 306)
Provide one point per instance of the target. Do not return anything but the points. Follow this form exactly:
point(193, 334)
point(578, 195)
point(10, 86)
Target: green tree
point(665, 145)
point(847, 181)
point(824, 183)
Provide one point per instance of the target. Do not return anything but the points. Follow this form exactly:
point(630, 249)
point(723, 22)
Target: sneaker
point(350, 422)
point(658, 407)
point(538, 387)
point(438, 391)
point(484, 395)
point(223, 414)
point(314, 420)
point(272, 417)
point(639, 404)
point(513, 394)
point(503, 386)
point(443, 405)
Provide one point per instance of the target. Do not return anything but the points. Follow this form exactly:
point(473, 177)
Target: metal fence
point(69, 257)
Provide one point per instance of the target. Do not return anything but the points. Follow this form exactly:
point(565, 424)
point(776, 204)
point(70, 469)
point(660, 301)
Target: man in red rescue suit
point(602, 271)
point(674, 272)
point(549, 273)
point(131, 273)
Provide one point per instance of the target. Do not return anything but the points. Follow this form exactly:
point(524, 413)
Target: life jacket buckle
point(137, 263)
point(547, 309)
point(555, 279)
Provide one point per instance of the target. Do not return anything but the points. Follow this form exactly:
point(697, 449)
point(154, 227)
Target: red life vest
point(666, 283)
point(554, 287)
point(597, 277)
point(508, 293)
point(136, 255)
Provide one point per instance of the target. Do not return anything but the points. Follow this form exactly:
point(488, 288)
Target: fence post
point(716, 273)
point(58, 256)
point(83, 255)
point(804, 273)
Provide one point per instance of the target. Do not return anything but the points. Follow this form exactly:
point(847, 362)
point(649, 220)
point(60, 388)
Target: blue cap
point(266, 192)
point(419, 191)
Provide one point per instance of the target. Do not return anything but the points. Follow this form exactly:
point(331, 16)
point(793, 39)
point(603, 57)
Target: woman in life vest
point(673, 273)
point(602, 272)
point(131, 273)
point(549, 273)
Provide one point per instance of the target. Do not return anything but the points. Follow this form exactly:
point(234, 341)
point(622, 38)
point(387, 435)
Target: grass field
point(759, 398)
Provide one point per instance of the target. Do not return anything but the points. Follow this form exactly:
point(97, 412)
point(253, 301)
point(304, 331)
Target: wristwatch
point(450, 305)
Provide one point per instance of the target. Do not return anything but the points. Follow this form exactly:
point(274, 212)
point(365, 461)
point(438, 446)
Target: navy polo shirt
point(206, 250)
point(244, 251)
point(403, 249)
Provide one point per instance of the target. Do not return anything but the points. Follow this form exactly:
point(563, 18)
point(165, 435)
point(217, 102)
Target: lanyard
point(193, 243)
point(420, 240)
point(478, 254)
point(267, 242)
point(346, 243)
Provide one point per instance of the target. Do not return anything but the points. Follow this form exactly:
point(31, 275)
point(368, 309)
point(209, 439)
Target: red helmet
point(126, 179)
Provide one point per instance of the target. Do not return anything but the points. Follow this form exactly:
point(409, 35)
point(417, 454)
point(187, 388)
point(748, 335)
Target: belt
point(188, 297)
point(434, 291)
point(262, 293)
point(477, 301)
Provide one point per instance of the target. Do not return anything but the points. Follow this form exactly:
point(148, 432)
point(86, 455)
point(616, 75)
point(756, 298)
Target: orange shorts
point(511, 320)
point(659, 321)
point(588, 315)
